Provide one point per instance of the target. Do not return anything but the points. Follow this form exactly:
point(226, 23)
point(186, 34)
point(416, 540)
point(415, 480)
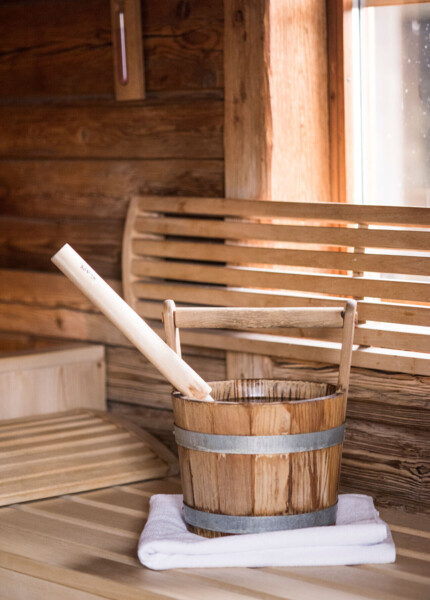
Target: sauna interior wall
point(71, 158)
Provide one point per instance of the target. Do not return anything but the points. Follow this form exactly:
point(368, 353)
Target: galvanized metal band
point(259, 444)
point(238, 524)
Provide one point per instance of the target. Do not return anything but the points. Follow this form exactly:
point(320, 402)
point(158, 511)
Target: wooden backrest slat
point(323, 284)
point(298, 234)
point(388, 312)
point(226, 207)
point(316, 259)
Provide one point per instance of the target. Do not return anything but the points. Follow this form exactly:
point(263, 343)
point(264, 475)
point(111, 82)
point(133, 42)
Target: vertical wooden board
point(310, 487)
point(247, 133)
point(299, 101)
point(271, 484)
point(205, 479)
point(186, 476)
point(235, 482)
point(247, 126)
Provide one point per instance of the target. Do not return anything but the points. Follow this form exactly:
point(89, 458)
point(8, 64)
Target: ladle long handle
point(174, 368)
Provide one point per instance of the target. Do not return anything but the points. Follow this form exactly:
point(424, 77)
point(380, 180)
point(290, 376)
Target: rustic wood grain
point(52, 464)
point(299, 101)
point(59, 50)
point(55, 48)
point(298, 234)
point(30, 243)
point(52, 380)
point(185, 130)
point(236, 484)
point(100, 188)
point(90, 544)
point(278, 209)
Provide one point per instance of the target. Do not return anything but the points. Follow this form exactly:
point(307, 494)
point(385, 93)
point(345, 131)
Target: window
point(393, 58)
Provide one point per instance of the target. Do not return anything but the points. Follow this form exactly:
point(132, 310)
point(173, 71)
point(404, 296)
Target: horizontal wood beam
point(187, 129)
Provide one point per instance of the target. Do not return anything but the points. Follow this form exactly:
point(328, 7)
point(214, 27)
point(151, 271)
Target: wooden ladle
point(173, 367)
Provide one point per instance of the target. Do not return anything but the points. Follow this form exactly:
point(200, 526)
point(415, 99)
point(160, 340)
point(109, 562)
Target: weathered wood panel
point(30, 243)
point(57, 48)
point(186, 130)
point(99, 189)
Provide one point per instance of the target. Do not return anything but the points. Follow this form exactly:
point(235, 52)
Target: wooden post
point(276, 113)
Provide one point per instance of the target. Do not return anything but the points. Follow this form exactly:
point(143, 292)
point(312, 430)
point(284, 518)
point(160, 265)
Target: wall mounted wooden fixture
point(127, 49)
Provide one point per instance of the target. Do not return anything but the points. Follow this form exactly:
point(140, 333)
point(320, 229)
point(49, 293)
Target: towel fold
point(358, 537)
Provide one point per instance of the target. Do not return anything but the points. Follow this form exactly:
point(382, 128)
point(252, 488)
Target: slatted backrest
point(221, 252)
point(175, 318)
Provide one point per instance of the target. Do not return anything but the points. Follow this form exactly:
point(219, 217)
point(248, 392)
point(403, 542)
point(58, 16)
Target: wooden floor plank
point(116, 499)
point(54, 527)
point(72, 511)
point(16, 586)
point(261, 584)
point(87, 543)
point(350, 581)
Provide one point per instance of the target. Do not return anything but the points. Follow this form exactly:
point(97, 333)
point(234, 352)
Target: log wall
point(71, 159)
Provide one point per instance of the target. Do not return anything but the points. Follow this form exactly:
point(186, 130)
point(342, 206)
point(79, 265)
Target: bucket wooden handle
point(174, 369)
point(241, 318)
point(258, 318)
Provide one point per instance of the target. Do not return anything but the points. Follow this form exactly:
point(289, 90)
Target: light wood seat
point(83, 547)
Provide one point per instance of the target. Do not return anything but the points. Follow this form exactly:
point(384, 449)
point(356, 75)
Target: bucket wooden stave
point(221, 484)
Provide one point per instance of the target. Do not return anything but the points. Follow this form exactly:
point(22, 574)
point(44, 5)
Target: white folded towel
point(359, 537)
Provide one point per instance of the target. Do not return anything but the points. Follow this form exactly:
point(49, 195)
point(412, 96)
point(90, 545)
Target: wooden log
point(77, 188)
point(157, 129)
point(61, 50)
point(78, 325)
point(58, 49)
point(29, 243)
point(45, 290)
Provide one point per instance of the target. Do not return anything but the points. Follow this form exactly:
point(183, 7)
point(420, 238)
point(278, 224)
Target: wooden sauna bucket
point(264, 456)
